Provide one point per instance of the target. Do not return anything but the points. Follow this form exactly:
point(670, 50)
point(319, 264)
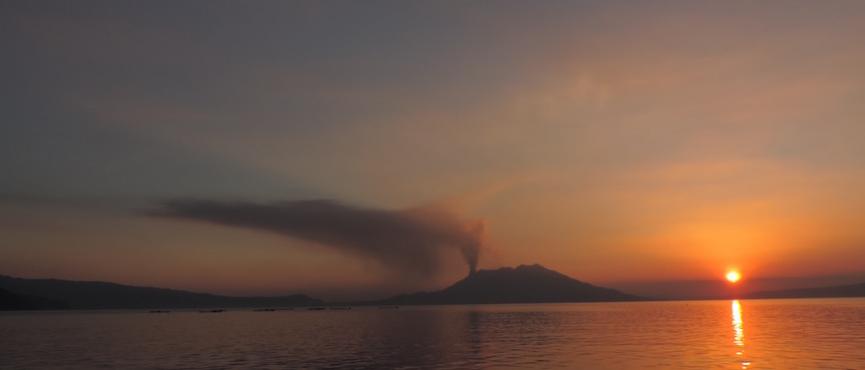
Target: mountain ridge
point(105, 295)
point(521, 284)
point(834, 291)
point(14, 301)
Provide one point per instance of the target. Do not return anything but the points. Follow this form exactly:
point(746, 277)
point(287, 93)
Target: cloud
point(407, 241)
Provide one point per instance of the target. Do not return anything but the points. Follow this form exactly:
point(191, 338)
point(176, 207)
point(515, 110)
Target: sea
point(719, 334)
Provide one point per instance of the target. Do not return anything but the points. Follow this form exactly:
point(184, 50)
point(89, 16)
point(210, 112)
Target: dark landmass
point(53, 293)
point(523, 284)
point(839, 291)
point(720, 289)
point(679, 290)
point(13, 301)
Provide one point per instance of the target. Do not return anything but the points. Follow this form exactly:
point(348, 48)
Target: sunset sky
point(610, 141)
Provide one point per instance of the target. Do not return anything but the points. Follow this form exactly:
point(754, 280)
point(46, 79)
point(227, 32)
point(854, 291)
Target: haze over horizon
point(206, 147)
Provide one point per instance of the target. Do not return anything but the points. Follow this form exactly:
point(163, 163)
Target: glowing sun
point(733, 276)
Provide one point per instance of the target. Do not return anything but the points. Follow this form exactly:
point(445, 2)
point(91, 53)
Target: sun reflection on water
point(739, 332)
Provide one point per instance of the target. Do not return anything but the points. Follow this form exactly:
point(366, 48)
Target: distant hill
point(523, 284)
point(721, 289)
point(853, 290)
point(13, 301)
point(94, 295)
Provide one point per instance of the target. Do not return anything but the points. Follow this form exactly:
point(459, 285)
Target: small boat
point(315, 309)
point(388, 307)
point(159, 311)
point(264, 309)
point(340, 308)
point(211, 311)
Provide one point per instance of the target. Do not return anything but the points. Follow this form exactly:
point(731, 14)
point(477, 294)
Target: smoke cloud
point(409, 241)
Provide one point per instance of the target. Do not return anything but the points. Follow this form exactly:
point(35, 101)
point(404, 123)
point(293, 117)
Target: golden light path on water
point(739, 333)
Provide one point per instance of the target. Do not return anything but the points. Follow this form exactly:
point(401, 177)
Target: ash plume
point(409, 241)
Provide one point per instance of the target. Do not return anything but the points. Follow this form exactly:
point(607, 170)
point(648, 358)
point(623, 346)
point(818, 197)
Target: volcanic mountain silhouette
point(522, 284)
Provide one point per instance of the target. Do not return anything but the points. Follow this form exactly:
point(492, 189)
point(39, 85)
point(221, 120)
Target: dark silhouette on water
point(94, 295)
point(14, 301)
point(852, 290)
point(523, 284)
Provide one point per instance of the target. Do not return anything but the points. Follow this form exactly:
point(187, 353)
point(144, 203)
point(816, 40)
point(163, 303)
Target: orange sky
point(611, 142)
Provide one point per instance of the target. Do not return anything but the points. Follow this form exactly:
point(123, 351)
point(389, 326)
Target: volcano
point(521, 284)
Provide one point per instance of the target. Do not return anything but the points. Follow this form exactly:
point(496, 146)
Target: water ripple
point(763, 334)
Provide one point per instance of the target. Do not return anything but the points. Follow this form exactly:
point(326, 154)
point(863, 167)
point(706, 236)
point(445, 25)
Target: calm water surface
point(762, 334)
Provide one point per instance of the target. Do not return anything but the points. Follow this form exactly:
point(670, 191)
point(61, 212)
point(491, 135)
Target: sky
point(611, 141)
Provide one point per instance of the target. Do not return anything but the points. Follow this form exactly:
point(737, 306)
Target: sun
point(733, 276)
